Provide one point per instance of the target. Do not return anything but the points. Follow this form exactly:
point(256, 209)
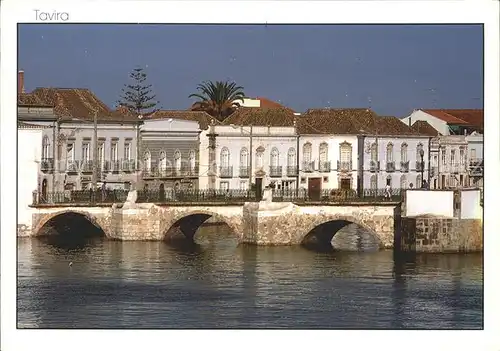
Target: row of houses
point(261, 143)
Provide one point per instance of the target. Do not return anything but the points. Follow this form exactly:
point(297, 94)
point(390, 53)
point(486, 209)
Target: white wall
point(29, 153)
point(436, 123)
point(425, 202)
point(471, 204)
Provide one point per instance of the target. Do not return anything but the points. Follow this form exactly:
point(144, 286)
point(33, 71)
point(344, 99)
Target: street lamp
point(95, 156)
point(137, 150)
point(422, 167)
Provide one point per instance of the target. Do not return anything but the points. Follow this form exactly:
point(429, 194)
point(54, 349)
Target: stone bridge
point(260, 223)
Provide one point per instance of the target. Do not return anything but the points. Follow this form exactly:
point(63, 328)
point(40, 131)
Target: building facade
point(170, 153)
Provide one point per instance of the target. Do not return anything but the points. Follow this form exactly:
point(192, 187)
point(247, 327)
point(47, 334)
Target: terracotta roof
point(203, 118)
point(258, 116)
point(28, 99)
point(267, 103)
point(465, 117)
point(424, 128)
point(336, 121)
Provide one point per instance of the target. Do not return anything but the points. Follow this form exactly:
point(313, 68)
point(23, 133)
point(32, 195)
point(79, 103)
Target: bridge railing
point(196, 196)
point(335, 195)
point(80, 197)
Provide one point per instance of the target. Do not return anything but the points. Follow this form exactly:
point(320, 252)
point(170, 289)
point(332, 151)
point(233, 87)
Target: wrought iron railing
point(390, 166)
point(325, 167)
point(47, 164)
point(275, 171)
point(476, 167)
point(291, 171)
point(344, 166)
point(244, 172)
point(80, 197)
point(404, 166)
point(308, 166)
point(196, 196)
point(169, 172)
point(226, 172)
point(374, 166)
point(335, 195)
point(419, 166)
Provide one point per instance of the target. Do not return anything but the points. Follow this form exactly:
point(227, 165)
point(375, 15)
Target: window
point(288, 184)
point(114, 151)
point(323, 152)
point(243, 185)
point(434, 160)
point(403, 182)
point(147, 161)
point(274, 157)
point(452, 157)
point(389, 155)
point(224, 157)
point(127, 151)
point(292, 157)
point(419, 148)
point(473, 154)
point(443, 156)
point(85, 151)
point(70, 152)
point(192, 160)
point(462, 156)
point(373, 182)
point(374, 152)
point(404, 152)
point(419, 181)
point(177, 160)
point(100, 152)
point(259, 158)
point(163, 161)
point(244, 157)
point(45, 147)
point(388, 180)
point(345, 152)
point(224, 185)
point(307, 152)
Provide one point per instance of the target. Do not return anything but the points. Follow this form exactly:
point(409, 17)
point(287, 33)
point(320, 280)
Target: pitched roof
point(29, 99)
point(24, 125)
point(203, 118)
point(336, 121)
point(464, 117)
point(268, 103)
point(424, 128)
point(258, 116)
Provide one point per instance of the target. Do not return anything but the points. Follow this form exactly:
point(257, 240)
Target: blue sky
point(392, 68)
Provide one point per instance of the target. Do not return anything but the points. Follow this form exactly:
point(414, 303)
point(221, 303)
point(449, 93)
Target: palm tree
point(218, 99)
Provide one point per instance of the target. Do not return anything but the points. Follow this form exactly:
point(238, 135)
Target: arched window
point(345, 156)
point(292, 157)
point(323, 152)
point(177, 160)
point(244, 157)
point(404, 152)
point(163, 162)
point(45, 147)
point(373, 182)
point(192, 160)
point(403, 184)
point(147, 161)
point(224, 157)
point(420, 147)
point(389, 155)
point(307, 152)
point(419, 181)
point(374, 152)
point(259, 157)
point(275, 154)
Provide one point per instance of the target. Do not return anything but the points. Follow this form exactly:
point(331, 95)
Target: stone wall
point(438, 234)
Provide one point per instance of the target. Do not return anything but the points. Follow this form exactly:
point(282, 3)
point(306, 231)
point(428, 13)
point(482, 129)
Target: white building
point(29, 146)
point(253, 146)
point(449, 121)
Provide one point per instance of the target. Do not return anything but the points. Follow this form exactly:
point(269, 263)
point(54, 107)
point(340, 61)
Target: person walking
point(388, 192)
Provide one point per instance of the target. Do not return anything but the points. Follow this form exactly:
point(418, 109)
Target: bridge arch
point(91, 219)
point(322, 229)
point(190, 221)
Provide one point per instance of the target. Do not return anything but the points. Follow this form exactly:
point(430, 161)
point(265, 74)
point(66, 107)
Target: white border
point(251, 12)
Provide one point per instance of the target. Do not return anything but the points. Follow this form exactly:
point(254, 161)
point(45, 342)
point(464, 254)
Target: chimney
point(20, 82)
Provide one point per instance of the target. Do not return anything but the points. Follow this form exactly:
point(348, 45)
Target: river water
point(218, 284)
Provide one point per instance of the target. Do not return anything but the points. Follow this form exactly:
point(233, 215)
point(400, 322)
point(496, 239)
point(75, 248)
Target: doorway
point(435, 184)
point(314, 188)
point(43, 198)
point(258, 188)
point(162, 192)
point(345, 183)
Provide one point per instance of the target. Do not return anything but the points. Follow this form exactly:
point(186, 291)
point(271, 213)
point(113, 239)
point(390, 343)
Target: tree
point(137, 97)
point(218, 99)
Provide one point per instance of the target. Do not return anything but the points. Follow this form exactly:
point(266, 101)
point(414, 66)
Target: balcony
point(47, 164)
point(72, 166)
point(169, 172)
point(390, 166)
point(275, 171)
point(308, 166)
point(325, 167)
point(244, 172)
point(226, 172)
point(433, 172)
point(374, 166)
point(404, 166)
point(344, 166)
point(128, 165)
point(86, 166)
point(114, 166)
point(291, 171)
point(476, 167)
point(420, 166)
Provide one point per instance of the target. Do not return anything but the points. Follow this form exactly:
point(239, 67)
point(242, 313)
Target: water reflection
point(214, 283)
